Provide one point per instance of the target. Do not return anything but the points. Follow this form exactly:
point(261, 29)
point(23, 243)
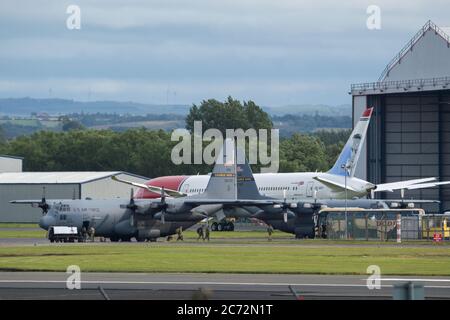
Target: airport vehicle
point(338, 183)
point(226, 224)
point(143, 219)
point(64, 234)
point(436, 224)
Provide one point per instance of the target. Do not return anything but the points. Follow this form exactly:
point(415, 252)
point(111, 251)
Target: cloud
point(269, 51)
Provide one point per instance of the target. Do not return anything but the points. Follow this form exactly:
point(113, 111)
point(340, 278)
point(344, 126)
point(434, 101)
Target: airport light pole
point(345, 168)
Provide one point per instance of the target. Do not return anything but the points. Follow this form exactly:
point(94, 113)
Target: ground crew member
point(92, 233)
point(180, 233)
point(200, 233)
point(206, 233)
point(270, 231)
point(84, 233)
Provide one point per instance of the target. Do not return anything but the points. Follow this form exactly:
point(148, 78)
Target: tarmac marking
point(211, 283)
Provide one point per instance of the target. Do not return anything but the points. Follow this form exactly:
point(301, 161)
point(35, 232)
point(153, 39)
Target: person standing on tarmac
point(200, 233)
point(270, 231)
point(179, 233)
point(92, 233)
point(206, 233)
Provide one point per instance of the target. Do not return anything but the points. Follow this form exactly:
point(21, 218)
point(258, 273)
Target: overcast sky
point(275, 52)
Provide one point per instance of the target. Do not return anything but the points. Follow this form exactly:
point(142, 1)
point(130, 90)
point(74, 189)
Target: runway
point(167, 286)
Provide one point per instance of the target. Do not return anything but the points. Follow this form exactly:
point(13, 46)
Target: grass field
point(18, 225)
point(8, 234)
point(269, 258)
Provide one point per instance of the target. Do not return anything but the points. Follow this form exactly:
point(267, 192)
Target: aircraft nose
point(46, 222)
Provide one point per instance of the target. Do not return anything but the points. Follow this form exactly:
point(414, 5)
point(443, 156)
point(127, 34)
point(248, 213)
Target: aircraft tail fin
point(348, 159)
point(222, 182)
point(246, 185)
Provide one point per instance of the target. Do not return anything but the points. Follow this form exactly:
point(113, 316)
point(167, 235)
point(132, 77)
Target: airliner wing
point(407, 184)
point(169, 192)
point(334, 185)
point(427, 185)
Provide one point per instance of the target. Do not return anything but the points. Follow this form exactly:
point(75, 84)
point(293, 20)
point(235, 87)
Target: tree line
point(148, 152)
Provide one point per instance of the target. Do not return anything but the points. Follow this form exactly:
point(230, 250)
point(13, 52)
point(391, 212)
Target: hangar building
point(10, 163)
point(57, 185)
point(409, 134)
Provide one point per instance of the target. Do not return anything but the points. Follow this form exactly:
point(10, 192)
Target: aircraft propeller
point(285, 206)
point(163, 206)
point(132, 205)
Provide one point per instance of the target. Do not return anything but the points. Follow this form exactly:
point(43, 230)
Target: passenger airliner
point(338, 183)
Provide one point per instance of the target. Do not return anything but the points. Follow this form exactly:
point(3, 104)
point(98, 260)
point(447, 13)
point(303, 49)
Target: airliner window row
point(277, 188)
point(260, 189)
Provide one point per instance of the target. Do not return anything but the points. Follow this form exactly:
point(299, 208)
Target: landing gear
point(114, 239)
point(222, 226)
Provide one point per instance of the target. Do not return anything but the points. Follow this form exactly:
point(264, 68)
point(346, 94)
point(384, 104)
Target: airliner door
point(185, 188)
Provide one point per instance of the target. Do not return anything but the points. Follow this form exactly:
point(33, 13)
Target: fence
point(383, 226)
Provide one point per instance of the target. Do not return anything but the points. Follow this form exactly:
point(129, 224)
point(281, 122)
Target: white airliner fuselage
point(298, 185)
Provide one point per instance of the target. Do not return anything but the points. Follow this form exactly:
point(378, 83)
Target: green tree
point(302, 153)
point(231, 114)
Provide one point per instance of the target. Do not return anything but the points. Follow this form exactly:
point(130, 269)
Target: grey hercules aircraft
point(143, 219)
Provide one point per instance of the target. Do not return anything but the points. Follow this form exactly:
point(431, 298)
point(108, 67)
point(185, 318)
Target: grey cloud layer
point(274, 52)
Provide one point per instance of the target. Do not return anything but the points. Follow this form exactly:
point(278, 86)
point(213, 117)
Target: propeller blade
point(285, 216)
point(163, 220)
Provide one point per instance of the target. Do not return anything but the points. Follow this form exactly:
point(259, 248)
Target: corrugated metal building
point(409, 135)
point(58, 185)
point(10, 163)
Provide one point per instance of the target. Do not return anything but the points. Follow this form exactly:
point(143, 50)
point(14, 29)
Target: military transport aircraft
point(338, 183)
point(143, 219)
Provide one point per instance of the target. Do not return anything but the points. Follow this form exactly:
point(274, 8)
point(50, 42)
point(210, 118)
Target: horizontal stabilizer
point(168, 192)
point(334, 185)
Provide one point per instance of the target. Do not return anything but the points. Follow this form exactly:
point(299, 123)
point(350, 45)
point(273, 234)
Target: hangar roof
point(10, 157)
point(67, 177)
point(421, 65)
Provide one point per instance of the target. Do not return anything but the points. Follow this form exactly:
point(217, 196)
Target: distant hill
point(26, 106)
point(311, 109)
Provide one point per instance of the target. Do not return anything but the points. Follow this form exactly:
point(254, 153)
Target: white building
point(57, 185)
point(10, 163)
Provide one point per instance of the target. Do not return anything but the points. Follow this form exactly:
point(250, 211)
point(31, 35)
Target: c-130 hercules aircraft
point(143, 219)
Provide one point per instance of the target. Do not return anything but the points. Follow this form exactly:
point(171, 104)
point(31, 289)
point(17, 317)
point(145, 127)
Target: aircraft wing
point(407, 184)
point(232, 202)
point(26, 201)
point(169, 192)
point(427, 185)
point(410, 200)
point(333, 184)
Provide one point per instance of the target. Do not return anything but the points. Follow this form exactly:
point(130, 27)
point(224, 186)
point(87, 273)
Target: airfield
point(232, 265)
